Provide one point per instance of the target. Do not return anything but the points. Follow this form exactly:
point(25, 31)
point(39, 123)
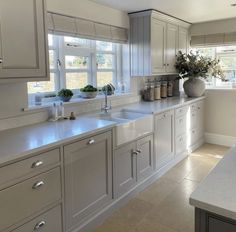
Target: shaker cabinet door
point(88, 178)
point(171, 47)
point(158, 45)
point(23, 40)
point(144, 157)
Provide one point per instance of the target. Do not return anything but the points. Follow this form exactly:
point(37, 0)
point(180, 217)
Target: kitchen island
point(214, 200)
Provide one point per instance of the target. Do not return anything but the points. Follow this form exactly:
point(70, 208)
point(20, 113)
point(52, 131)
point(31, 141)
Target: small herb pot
point(65, 99)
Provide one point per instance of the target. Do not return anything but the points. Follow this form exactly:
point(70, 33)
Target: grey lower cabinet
point(164, 138)
point(209, 222)
point(132, 163)
point(88, 178)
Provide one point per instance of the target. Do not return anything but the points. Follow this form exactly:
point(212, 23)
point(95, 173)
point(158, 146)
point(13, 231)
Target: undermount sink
point(130, 125)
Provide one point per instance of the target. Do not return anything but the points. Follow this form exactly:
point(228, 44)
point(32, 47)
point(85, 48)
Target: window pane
point(52, 60)
point(76, 80)
point(79, 42)
point(104, 78)
point(103, 46)
point(43, 86)
point(228, 62)
point(104, 61)
point(50, 40)
point(76, 62)
point(207, 52)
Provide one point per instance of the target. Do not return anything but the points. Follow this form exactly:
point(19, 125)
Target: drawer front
point(26, 198)
point(28, 166)
point(181, 111)
point(50, 221)
point(181, 125)
point(181, 144)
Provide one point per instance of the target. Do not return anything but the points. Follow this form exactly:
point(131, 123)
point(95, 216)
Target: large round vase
point(194, 87)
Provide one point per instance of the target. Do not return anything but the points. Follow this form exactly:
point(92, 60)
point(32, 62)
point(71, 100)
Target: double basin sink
point(129, 125)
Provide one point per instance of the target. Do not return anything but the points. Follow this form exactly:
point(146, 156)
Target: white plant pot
point(194, 87)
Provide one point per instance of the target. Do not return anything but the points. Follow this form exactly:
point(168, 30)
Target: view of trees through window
point(76, 62)
point(227, 57)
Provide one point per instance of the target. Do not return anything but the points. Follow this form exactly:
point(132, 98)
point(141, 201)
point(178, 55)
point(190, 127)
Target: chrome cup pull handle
point(139, 151)
point(39, 225)
point(38, 184)
point(37, 164)
point(1, 60)
point(91, 141)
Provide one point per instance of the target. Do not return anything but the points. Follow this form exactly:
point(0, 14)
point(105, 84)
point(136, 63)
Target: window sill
point(75, 101)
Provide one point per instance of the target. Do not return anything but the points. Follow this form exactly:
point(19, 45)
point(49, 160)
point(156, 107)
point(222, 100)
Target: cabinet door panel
point(88, 172)
point(171, 47)
point(216, 225)
point(158, 44)
point(183, 40)
point(145, 157)
point(164, 135)
point(23, 39)
point(124, 169)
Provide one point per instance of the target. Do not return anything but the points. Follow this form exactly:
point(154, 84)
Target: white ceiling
point(189, 10)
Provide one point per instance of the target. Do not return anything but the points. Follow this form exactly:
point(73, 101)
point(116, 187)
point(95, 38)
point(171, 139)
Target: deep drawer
point(50, 221)
point(181, 126)
point(26, 198)
point(28, 166)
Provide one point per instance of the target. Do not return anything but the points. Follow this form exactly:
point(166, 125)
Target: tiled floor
point(163, 206)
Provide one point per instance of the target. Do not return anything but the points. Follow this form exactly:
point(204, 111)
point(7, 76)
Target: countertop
point(216, 193)
point(157, 107)
point(17, 143)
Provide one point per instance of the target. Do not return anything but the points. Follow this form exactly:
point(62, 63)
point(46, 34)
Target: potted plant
point(65, 95)
point(88, 92)
point(195, 67)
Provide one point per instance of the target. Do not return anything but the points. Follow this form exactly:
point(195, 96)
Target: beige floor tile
point(164, 206)
point(158, 191)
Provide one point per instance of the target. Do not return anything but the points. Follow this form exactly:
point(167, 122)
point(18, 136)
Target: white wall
point(214, 27)
point(89, 10)
point(220, 116)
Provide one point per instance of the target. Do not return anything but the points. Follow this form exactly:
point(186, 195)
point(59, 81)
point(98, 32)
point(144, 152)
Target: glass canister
point(164, 89)
point(148, 93)
point(151, 91)
point(170, 86)
point(157, 90)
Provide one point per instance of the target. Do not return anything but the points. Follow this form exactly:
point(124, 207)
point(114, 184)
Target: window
point(76, 62)
point(227, 57)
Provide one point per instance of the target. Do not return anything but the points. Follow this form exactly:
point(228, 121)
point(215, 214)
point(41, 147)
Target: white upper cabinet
point(23, 40)
point(155, 39)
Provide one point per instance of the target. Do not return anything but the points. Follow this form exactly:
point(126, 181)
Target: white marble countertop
point(156, 107)
point(17, 143)
point(217, 191)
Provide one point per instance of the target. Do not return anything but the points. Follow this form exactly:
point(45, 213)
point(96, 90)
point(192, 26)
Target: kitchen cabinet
point(196, 132)
point(132, 163)
point(88, 177)
point(155, 39)
point(33, 185)
point(23, 36)
point(183, 40)
point(164, 138)
point(209, 222)
point(182, 128)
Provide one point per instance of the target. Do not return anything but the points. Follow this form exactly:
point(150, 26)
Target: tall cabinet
point(23, 40)
point(155, 40)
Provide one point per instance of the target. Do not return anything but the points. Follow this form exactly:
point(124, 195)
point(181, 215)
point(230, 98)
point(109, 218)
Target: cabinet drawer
point(181, 144)
point(181, 125)
point(26, 198)
point(50, 221)
point(181, 111)
point(28, 166)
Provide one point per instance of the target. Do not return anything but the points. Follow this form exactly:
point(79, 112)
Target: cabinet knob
point(39, 225)
point(91, 141)
point(38, 184)
point(37, 164)
point(167, 64)
point(1, 60)
point(134, 153)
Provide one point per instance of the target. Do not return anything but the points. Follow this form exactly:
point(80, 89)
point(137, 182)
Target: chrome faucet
point(106, 107)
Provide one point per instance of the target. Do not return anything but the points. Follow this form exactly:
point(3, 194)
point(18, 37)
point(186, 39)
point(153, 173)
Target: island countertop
point(216, 193)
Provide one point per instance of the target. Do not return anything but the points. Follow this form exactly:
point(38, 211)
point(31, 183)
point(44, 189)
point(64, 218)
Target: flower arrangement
point(194, 65)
